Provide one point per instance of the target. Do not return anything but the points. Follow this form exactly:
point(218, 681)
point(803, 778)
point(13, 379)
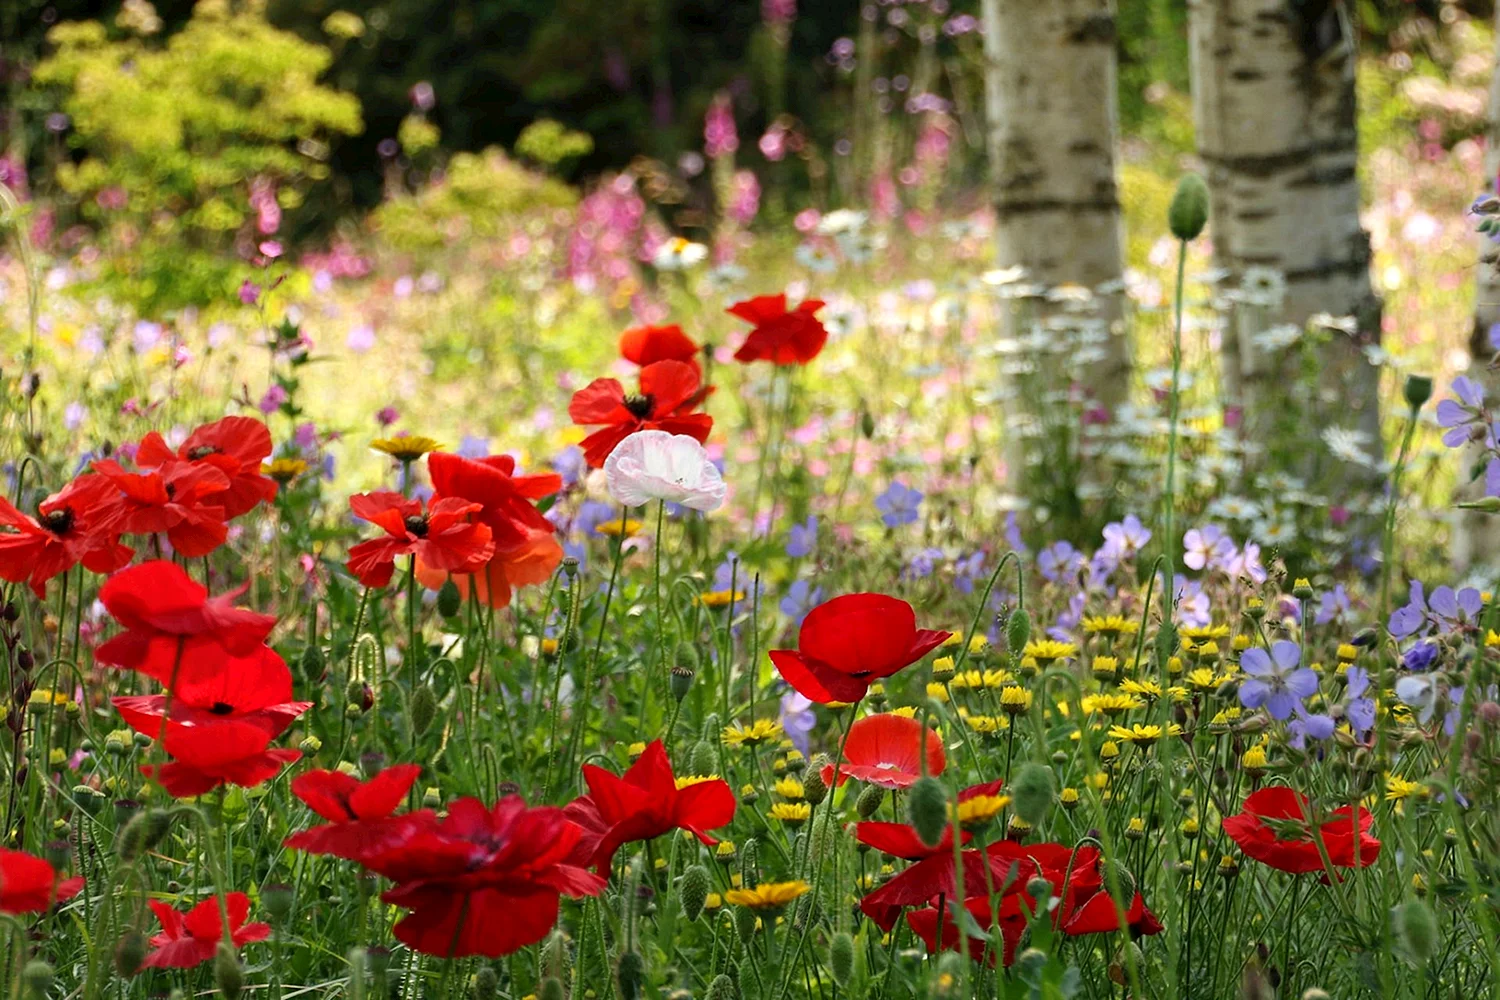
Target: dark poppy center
point(171, 489)
point(203, 451)
point(417, 525)
point(221, 708)
point(639, 405)
point(58, 521)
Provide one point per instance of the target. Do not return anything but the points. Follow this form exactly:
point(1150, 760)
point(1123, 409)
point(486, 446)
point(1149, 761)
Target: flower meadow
point(534, 604)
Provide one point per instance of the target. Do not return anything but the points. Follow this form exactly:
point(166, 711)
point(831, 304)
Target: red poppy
point(924, 923)
point(173, 626)
point(443, 537)
point(526, 549)
point(1001, 868)
point(1084, 904)
point(1273, 829)
point(850, 642)
point(645, 803)
point(669, 392)
point(218, 727)
point(29, 884)
point(179, 499)
point(887, 750)
point(646, 345)
point(360, 811)
point(236, 446)
point(65, 532)
point(482, 881)
point(780, 336)
point(192, 938)
point(900, 840)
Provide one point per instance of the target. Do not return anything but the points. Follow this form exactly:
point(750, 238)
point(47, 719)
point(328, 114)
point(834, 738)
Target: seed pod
point(694, 891)
point(1018, 630)
point(228, 976)
point(866, 423)
point(681, 681)
point(927, 809)
point(841, 957)
point(277, 900)
point(1417, 928)
point(1033, 791)
point(869, 800)
point(423, 709)
point(1188, 213)
point(90, 800)
point(631, 971)
point(1417, 390)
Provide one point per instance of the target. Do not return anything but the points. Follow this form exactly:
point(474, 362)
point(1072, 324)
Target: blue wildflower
point(1276, 679)
point(802, 538)
point(898, 504)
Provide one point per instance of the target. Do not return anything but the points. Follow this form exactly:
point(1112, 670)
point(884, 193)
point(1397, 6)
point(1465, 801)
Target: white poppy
point(655, 465)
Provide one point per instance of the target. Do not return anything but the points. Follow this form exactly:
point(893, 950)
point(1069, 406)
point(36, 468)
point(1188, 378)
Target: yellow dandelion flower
point(1254, 760)
point(987, 723)
point(1201, 633)
point(767, 895)
point(1111, 704)
point(981, 809)
point(1015, 699)
point(994, 679)
point(284, 470)
point(905, 711)
point(1137, 734)
point(1150, 690)
point(1046, 651)
point(719, 598)
point(791, 789)
point(1398, 789)
point(937, 692)
point(791, 813)
point(689, 780)
point(1110, 626)
point(758, 732)
point(617, 527)
point(1105, 668)
point(942, 668)
point(405, 447)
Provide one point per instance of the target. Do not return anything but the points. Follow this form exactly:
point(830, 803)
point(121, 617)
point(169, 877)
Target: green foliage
point(173, 135)
point(551, 143)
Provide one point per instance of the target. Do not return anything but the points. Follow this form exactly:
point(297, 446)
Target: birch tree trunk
point(1050, 94)
point(1274, 105)
point(1476, 535)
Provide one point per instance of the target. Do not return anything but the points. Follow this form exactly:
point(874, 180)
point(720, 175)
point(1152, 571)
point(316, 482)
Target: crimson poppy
point(526, 549)
point(236, 446)
point(646, 345)
point(646, 802)
point(1273, 829)
point(178, 499)
point(1084, 904)
point(172, 626)
point(779, 335)
point(65, 532)
point(887, 750)
point(900, 840)
point(848, 643)
point(192, 938)
point(29, 884)
point(924, 923)
point(669, 392)
point(1000, 869)
point(443, 537)
point(482, 881)
point(359, 811)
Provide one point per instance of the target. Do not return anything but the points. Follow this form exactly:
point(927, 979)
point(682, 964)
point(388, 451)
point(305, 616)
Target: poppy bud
point(432, 798)
point(227, 974)
point(841, 957)
point(449, 601)
point(687, 655)
point(361, 694)
point(694, 891)
point(357, 959)
point(372, 763)
point(1033, 791)
point(681, 681)
point(1417, 390)
point(486, 982)
point(24, 659)
point(1018, 630)
point(10, 612)
point(552, 989)
point(1417, 928)
point(1166, 643)
point(869, 800)
point(750, 863)
point(813, 789)
point(631, 971)
point(310, 745)
point(38, 978)
point(1188, 213)
point(927, 809)
point(130, 952)
point(711, 727)
point(703, 759)
point(58, 853)
point(722, 988)
point(312, 662)
point(142, 833)
point(744, 923)
point(423, 709)
point(1031, 961)
point(277, 900)
point(866, 423)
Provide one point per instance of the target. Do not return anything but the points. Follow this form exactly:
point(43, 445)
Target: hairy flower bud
point(1033, 791)
point(694, 891)
point(631, 971)
point(449, 601)
point(1188, 213)
point(927, 809)
point(841, 957)
point(423, 709)
point(869, 800)
point(228, 976)
point(1417, 928)
point(1018, 630)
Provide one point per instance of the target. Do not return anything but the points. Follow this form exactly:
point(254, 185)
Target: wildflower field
point(728, 574)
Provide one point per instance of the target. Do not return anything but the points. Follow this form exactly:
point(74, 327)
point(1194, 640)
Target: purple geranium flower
point(898, 504)
point(1358, 709)
point(1334, 605)
point(802, 538)
point(1058, 559)
point(1276, 680)
point(1420, 657)
point(1207, 547)
point(1465, 417)
point(1125, 539)
point(801, 597)
point(797, 719)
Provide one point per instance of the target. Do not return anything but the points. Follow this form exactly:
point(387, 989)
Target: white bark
point(1476, 535)
point(1274, 104)
point(1050, 94)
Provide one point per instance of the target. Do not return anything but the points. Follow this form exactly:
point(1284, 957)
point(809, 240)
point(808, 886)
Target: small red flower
point(173, 626)
point(780, 336)
point(66, 531)
point(359, 811)
point(443, 537)
point(646, 345)
point(236, 446)
point(924, 923)
point(1001, 868)
point(1084, 904)
point(669, 392)
point(29, 884)
point(887, 750)
point(192, 938)
point(645, 803)
point(1346, 839)
point(178, 499)
point(482, 881)
point(850, 642)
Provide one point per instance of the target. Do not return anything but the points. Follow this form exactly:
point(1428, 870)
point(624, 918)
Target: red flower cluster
point(669, 393)
point(780, 335)
point(29, 884)
point(190, 939)
point(227, 694)
point(850, 642)
point(188, 495)
point(646, 803)
point(479, 881)
point(442, 537)
point(1274, 828)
